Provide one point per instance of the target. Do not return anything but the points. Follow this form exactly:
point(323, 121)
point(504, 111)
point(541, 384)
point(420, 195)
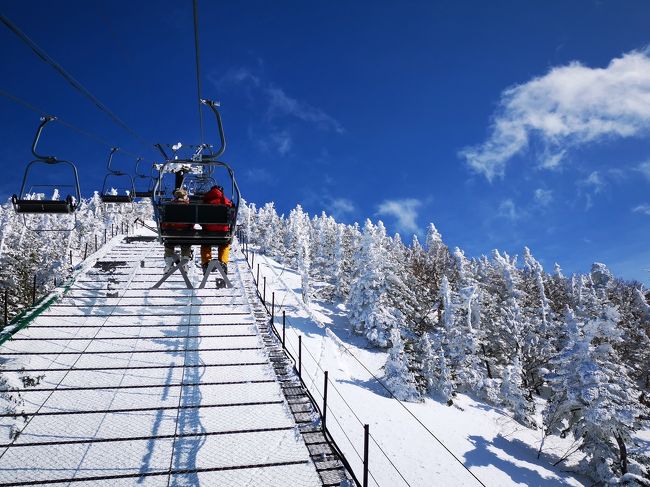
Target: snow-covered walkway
point(124, 385)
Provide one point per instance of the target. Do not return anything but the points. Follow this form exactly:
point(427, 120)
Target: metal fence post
point(104, 236)
point(325, 402)
point(71, 257)
point(112, 230)
point(252, 259)
point(95, 242)
point(6, 307)
point(366, 434)
point(273, 308)
point(257, 280)
point(300, 356)
point(284, 327)
point(34, 291)
point(264, 295)
point(86, 251)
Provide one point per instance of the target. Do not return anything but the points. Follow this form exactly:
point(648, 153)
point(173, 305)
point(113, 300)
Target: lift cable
point(81, 131)
point(198, 67)
point(72, 81)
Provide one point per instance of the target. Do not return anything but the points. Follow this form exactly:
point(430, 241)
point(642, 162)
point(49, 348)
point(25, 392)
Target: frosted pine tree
point(539, 330)
point(441, 379)
point(348, 243)
point(369, 308)
point(511, 394)
point(397, 374)
point(299, 248)
point(593, 397)
point(426, 369)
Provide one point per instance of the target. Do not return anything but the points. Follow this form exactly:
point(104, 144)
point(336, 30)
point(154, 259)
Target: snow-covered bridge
point(125, 385)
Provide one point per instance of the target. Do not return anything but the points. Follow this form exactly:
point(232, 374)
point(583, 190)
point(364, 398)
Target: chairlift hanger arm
point(44, 121)
point(213, 106)
point(137, 166)
point(110, 159)
point(162, 151)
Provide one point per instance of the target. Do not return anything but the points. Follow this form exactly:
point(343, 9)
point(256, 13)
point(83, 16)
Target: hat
point(180, 193)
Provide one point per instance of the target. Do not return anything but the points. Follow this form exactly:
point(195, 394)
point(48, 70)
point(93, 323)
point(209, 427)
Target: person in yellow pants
point(223, 255)
point(216, 197)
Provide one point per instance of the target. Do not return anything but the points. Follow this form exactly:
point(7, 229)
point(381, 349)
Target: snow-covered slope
point(403, 450)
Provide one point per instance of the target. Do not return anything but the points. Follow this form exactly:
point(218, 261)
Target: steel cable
point(40, 111)
point(70, 79)
point(198, 67)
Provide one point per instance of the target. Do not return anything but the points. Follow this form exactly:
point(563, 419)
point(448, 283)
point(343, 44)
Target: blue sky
point(505, 123)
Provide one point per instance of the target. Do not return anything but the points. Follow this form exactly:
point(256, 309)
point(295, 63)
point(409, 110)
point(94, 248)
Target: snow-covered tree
point(369, 308)
point(593, 396)
point(398, 376)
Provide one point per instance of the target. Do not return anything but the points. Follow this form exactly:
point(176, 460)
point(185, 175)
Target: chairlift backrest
point(113, 175)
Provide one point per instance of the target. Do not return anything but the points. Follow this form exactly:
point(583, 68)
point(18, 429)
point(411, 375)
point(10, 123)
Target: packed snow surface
point(120, 380)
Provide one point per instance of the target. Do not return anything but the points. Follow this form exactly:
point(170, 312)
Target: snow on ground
point(497, 449)
point(134, 382)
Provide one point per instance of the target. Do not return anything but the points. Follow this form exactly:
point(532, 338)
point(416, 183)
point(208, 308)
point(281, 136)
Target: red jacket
point(216, 197)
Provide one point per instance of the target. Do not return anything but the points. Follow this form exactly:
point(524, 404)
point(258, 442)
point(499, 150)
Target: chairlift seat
point(43, 206)
point(143, 194)
point(116, 198)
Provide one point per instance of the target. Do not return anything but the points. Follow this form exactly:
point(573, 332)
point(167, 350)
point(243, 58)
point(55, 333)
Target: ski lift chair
point(196, 214)
point(143, 177)
point(68, 205)
point(114, 175)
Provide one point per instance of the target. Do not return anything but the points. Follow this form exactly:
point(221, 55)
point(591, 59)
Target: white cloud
point(339, 207)
point(235, 76)
point(643, 208)
point(543, 197)
point(405, 211)
point(282, 104)
point(568, 107)
point(278, 102)
point(552, 161)
point(594, 181)
point(259, 175)
point(508, 210)
point(282, 142)
point(644, 167)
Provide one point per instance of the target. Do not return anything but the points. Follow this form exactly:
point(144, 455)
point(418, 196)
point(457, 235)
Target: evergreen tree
point(369, 308)
point(397, 372)
point(592, 395)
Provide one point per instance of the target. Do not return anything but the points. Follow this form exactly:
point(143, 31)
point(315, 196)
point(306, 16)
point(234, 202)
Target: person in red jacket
point(216, 197)
point(180, 196)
